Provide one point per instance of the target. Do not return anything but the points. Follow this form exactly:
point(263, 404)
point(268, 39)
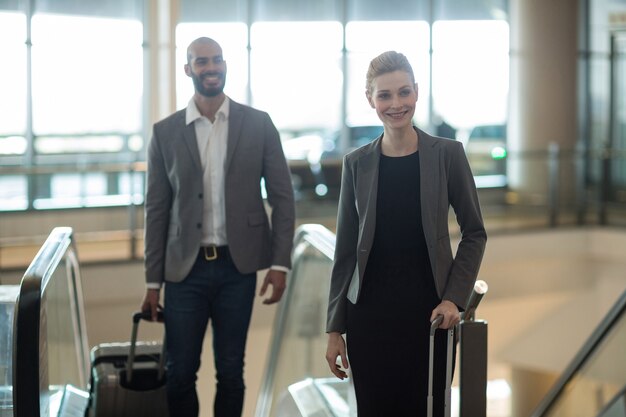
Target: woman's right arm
point(345, 253)
point(343, 269)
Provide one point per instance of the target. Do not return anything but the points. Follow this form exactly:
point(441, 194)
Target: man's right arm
point(157, 207)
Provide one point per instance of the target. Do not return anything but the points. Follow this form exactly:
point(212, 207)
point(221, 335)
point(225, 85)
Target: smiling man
point(207, 232)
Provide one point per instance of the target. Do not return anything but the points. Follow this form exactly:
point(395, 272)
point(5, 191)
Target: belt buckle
point(210, 253)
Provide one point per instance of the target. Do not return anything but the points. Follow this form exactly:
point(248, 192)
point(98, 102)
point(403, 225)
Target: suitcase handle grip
point(431, 353)
point(137, 317)
point(434, 325)
point(145, 315)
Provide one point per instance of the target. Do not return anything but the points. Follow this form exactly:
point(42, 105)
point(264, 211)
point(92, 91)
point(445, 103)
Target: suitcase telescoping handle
point(137, 317)
point(431, 353)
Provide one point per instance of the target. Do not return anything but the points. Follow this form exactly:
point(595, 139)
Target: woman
point(394, 270)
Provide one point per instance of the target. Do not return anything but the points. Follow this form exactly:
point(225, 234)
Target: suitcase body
point(448, 393)
point(127, 379)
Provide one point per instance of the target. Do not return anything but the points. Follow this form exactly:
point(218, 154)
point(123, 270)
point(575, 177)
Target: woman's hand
point(450, 313)
point(337, 347)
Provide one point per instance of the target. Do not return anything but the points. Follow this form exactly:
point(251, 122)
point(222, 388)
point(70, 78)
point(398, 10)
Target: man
point(207, 231)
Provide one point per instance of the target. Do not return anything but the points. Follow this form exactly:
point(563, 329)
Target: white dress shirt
point(212, 139)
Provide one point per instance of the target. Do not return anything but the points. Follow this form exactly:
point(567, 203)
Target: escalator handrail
point(323, 240)
point(594, 340)
point(26, 324)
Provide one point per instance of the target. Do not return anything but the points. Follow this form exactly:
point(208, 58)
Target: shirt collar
point(192, 113)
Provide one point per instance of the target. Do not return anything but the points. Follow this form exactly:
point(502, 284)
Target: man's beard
point(208, 92)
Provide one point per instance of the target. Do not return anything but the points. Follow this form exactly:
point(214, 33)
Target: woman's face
point(393, 95)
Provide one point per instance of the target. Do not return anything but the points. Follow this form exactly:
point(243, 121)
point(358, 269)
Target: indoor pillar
point(543, 95)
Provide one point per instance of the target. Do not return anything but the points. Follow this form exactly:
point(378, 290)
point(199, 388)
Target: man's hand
point(278, 280)
point(450, 313)
point(151, 303)
point(337, 347)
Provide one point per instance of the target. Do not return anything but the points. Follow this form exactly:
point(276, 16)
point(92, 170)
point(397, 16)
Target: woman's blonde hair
point(389, 61)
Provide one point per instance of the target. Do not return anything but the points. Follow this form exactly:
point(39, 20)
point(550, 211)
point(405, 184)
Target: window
point(296, 73)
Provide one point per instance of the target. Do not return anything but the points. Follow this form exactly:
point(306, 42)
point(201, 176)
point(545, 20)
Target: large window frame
point(106, 168)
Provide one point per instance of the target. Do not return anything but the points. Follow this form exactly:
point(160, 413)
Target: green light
point(498, 152)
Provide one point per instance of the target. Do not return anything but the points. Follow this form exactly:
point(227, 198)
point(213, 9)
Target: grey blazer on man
point(175, 195)
point(445, 180)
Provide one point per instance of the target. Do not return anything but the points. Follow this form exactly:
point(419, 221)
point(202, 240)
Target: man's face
point(207, 68)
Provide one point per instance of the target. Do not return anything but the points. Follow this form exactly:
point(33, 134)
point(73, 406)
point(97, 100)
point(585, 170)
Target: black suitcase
point(128, 379)
point(448, 393)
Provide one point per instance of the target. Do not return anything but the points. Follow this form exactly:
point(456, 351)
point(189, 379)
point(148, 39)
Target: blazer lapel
point(189, 137)
point(429, 184)
point(235, 121)
point(367, 191)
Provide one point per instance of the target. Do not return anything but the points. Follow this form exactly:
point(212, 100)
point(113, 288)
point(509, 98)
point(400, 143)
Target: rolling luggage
point(128, 379)
point(431, 353)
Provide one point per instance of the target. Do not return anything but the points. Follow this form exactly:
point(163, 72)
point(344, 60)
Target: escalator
point(594, 383)
point(44, 355)
point(46, 370)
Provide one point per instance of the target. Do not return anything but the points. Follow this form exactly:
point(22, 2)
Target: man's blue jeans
point(213, 291)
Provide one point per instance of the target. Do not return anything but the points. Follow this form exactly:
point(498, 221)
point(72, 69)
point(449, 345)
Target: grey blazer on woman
point(445, 180)
point(175, 196)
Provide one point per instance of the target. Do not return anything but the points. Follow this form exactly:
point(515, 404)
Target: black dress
point(388, 329)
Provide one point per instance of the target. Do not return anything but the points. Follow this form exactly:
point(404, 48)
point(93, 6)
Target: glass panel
point(304, 336)
point(90, 189)
point(87, 74)
point(133, 9)
point(13, 192)
point(79, 144)
point(220, 11)
point(617, 408)
point(12, 80)
point(366, 40)
point(467, 57)
point(470, 9)
point(291, 10)
point(11, 4)
point(131, 186)
point(60, 329)
point(12, 145)
point(619, 121)
point(233, 38)
point(296, 73)
point(388, 10)
point(8, 296)
point(599, 380)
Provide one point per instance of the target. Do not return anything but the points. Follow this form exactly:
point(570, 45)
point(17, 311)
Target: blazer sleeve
point(463, 198)
point(157, 205)
point(279, 195)
point(345, 252)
